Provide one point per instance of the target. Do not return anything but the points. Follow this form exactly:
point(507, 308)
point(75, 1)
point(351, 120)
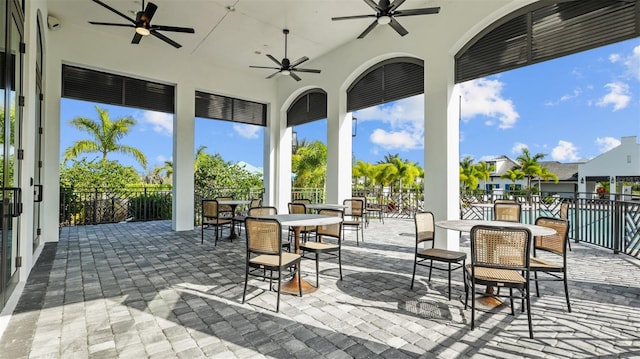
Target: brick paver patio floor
point(138, 290)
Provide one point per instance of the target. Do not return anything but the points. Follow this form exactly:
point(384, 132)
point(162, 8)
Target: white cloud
point(633, 63)
point(160, 122)
point(618, 96)
point(518, 147)
point(483, 97)
point(565, 151)
point(606, 143)
point(246, 131)
point(614, 58)
point(162, 159)
point(401, 140)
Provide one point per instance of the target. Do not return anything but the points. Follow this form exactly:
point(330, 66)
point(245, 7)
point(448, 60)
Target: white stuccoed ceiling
point(244, 35)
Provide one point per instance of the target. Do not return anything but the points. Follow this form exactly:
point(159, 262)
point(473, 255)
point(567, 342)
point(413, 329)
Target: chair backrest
point(504, 201)
point(330, 230)
point(354, 207)
point(425, 228)
point(363, 199)
point(509, 212)
point(224, 207)
point(564, 210)
point(297, 208)
point(210, 208)
point(262, 211)
point(555, 243)
point(264, 236)
point(302, 200)
point(256, 202)
point(500, 247)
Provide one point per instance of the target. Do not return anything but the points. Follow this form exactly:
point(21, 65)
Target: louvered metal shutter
point(308, 107)
point(231, 109)
point(97, 86)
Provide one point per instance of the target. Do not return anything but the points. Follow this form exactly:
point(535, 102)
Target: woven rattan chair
point(267, 211)
point(375, 209)
point(556, 246)
point(353, 217)
point(302, 200)
point(238, 218)
point(499, 258)
point(225, 209)
point(425, 234)
point(504, 201)
point(508, 212)
point(320, 246)
point(300, 208)
point(564, 214)
point(211, 219)
point(264, 254)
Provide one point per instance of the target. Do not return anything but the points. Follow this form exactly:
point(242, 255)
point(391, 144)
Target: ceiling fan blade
point(274, 60)
point(368, 29)
point(264, 67)
point(110, 24)
point(372, 4)
point(172, 28)
point(273, 74)
point(299, 61)
point(425, 11)
point(114, 10)
point(307, 70)
point(352, 17)
point(394, 5)
point(399, 28)
point(150, 10)
point(136, 38)
point(165, 39)
point(296, 77)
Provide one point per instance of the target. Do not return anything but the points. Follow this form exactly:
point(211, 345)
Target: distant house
point(567, 177)
point(618, 165)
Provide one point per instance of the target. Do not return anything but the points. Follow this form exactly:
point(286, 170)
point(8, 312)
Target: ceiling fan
point(286, 67)
point(142, 24)
point(386, 13)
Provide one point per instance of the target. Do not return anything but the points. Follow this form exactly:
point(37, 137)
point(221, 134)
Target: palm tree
point(546, 175)
point(309, 163)
point(514, 174)
point(388, 158)
point(483, 171)
point(529, 165)
point(468, 174)
point(407, 171)
point(363, 169)
point(106, 137)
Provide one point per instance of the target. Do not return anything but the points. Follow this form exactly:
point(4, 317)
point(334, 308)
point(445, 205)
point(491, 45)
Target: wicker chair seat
point(318, 246)
point(270, 260)
point(216, 221)
point(442, 255)
point(544, 265)
point(497, 275)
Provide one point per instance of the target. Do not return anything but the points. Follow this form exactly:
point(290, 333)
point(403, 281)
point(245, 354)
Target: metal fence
point(81, 206)
point(611, 222)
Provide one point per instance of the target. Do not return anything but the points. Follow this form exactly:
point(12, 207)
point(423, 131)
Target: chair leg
point(528, 299)
point(202, 234)
point(513, 312)
point(317, 270)
point(340, 262)
point(279, 290)
point(415, 264)
point(473, 304)
point(430, 268)
point(566, 291)
point(535, 278)
point(216, 228)
point(449, 271)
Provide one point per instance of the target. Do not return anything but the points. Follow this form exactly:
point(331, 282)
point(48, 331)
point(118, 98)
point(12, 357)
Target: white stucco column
point(441, 148)
point(339, 148)
point(281, 136)
point(183, 159)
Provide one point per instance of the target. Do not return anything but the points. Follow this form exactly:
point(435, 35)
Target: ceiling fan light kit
point(286, 67)
point(386, 12)
point(142, 24)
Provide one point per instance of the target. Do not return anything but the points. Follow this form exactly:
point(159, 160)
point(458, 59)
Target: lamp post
point(294, 141)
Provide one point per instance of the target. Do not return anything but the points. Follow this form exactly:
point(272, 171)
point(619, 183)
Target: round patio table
point(297, 222)
point(320, 206)
point(233, 204)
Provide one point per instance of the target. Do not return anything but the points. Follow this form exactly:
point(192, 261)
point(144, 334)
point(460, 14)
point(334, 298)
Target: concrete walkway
point(138, 290)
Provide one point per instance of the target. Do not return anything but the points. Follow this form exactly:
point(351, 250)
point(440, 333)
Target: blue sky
point(570, 109)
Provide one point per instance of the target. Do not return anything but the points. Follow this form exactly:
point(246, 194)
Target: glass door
point(10, 147)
